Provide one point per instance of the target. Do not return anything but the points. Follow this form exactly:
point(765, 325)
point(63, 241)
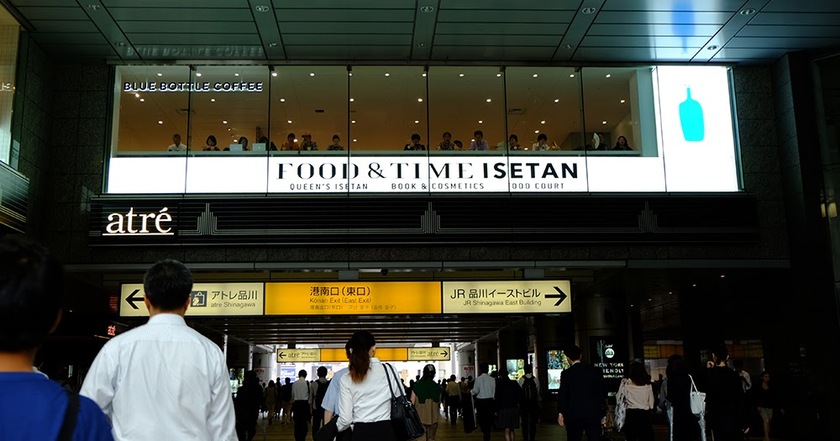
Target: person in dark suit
point(582, 399)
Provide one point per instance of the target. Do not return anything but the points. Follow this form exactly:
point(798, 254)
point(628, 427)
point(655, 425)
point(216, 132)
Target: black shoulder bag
point(404, 417)
point(68, 424)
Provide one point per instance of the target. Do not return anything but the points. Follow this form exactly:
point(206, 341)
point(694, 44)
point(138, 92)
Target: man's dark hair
point(573, 352)
point(322, 371)
point(542, 136)
point(31, 292)
point(415, 136)
point(478, 132)
point(302, 373)
point(528, 369)
point(168, 284)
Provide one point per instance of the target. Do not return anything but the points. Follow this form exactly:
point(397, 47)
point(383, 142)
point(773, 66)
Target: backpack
point(320, 393)
point(529, 390)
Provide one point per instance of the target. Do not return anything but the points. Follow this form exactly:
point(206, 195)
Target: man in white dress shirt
point(484, 391)
point(301, 405)
point(163, 380)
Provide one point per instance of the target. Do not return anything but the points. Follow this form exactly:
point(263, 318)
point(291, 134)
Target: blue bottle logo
point(691, 118)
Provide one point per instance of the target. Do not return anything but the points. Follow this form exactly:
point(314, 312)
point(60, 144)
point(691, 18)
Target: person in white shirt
point(330, 403)
point(484, 390)
point(636, 393)
point(176, 144)
point(365, 393)
point(142, 378)
point(301, 405)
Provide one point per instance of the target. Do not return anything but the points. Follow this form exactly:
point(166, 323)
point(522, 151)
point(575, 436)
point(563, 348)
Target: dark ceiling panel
point(77, 38)
point(54, 13)
point(80, 50)
point(347, 39)
point(205, 39)
point(345, 28)
point(644, 41)
point(308, 16)
point(735, 53)
point(356, 4)
point(791, 19)
point(803, 5)
point(184, 27)
point(662, 17)
point(441, 52)
point(200, 51)
point(501, 28)
point(633, 54)
point(64, 26)
point(164, 15)
point(791, 31)
point(175, 3)
point(498, 40)
point(336, 52)
point(501, 18)
point(570, 5)
point(621, 30)
point(678, 5)
point(779, 43)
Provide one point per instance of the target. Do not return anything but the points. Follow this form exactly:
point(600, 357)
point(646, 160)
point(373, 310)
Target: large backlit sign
point(352, 298)
point(133, 223)
point(192, 86)
point(206, 299)
point(507, 297)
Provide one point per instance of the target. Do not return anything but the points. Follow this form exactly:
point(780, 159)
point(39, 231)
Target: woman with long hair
point(426, 398)
point(637, 393)
point(364, 395)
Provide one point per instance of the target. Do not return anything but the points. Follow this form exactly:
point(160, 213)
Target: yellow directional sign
point(428, 354)
point(293, 355)
point(507, 297)
point(352, 298)
point(337, 355)
point(206, 299)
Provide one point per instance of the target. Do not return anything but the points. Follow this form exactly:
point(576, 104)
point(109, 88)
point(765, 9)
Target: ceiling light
point(350, 74)
point(489, 100)
point(424, 74)
point(622, 101)
point(607, 75)
point(427, 9)
point(142, 100)
point(387, 74)
point(542, 122)
point(723, 276)
point(694, 285)
point(568, 46)
point(354, 139)
point(480, 122)
point(212, 100)
point(571, 75)
point(311, 74)
point(93, 7)
point(282, 100)
point(604, 122)
point(712, 47)
point(536, 131)
point(748, 11)
point(289, 121)
point(535, 75)
point(589, 10)
point(120, 43)
point(416, 122)
point(198, 74)
point(461, 75)
point(236, 74)
point(137, 95)
point(262, 8)
point(670, 292)
point(159, 74)
point(419, 100)
point(498, 74)
point(353, 122)
point(556, 100)
point(160, 122)
point(351, 100)
point(273, 72)
point(224, 122)
point(422, 44)
point(228, 129)
point(272, 44)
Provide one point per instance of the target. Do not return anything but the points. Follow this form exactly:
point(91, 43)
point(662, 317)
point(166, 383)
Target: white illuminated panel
point(468, 174)
point(232, 174)
point(626, 174)
point(138, 175)
point(309, 174)
point(547, 174)
point(206, 299)
point(695, 122)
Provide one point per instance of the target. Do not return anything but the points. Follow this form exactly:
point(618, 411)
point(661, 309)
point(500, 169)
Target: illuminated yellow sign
point(206, 299)
point(428, 354)
point(293, 355)
point(352, 298)
point(507, 297)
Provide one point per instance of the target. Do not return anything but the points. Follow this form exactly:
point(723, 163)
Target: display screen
point(556, 361)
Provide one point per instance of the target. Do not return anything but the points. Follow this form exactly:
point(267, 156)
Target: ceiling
point(420, 31)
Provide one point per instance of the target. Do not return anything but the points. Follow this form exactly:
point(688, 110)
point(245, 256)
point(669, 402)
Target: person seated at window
point(542, 143)
point(291, 143)
point(210, 144)
point(596, 143)
point(308, 143)
point(458, 144)
point(243, 141)
point(268, 145)
point(335, 144)
point(621, 144)
point(176, 144)
point(415, 143)
point(479, 143)
point(513, 143)
point(446, 144)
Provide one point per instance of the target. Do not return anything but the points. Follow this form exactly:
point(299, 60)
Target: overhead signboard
point(507, 297)
point(428, 354)
point(352, 298)
point(293, 355)
point(206, 299)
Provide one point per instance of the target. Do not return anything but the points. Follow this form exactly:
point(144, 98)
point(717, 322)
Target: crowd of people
point(477, 143)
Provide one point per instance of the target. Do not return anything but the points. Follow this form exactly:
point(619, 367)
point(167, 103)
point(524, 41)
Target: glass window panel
point(229, 103)
point(309, 100)
point(9, 32)
point(618, 102)
point(544, 101)
point(387, 106)
point(463, 100)
point(152, 105)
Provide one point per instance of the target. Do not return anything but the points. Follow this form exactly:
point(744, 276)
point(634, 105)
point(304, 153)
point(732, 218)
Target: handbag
point(620, 407)
point(404, 417)
point(697, 399)
point(328, 431)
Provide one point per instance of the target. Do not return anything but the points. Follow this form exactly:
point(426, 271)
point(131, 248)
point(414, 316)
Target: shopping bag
point(697, 399)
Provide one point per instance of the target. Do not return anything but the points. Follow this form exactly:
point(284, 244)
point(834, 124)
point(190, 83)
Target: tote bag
point(620, 407)
point(697, 399)
point(404, 417)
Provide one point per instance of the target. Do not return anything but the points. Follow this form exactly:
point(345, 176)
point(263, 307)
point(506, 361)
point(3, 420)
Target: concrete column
point(512, 345)
point(485, 353)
